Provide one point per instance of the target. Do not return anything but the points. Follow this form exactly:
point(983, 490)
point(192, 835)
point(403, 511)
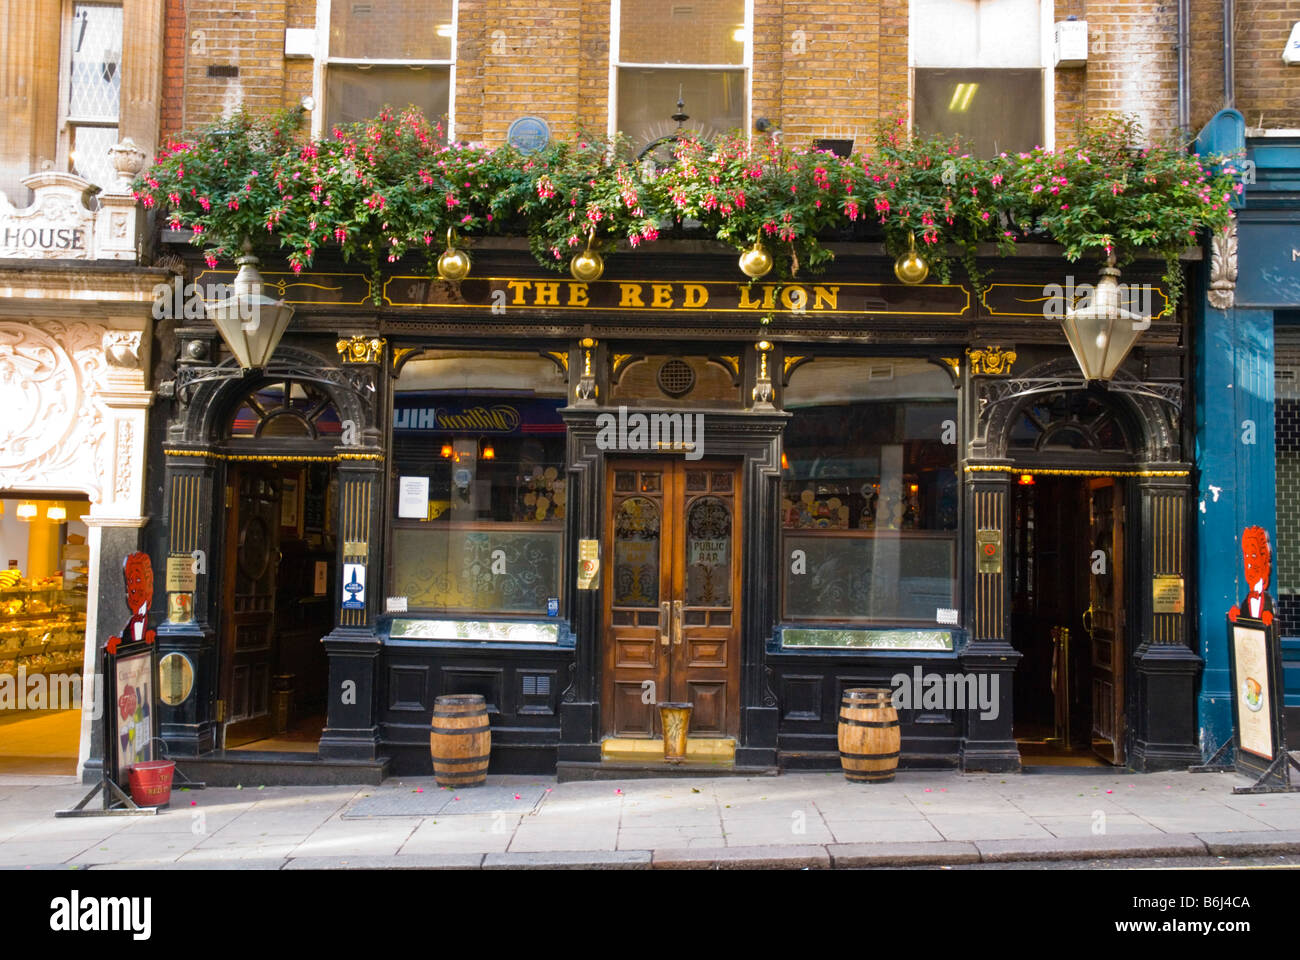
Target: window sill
point(480, 633)
point(852, 640)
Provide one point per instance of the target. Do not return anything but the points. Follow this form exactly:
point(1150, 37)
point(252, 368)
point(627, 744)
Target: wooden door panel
point(636, 653)
point(632, 718)
point(707, 579)
point(707, 652)
point(710, 717)
point(636, 580)
point(248, 633)
point(1106, 534)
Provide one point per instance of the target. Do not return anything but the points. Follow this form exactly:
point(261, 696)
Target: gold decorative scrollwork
point(991, 361)
point(361, 349)
point(399, 354)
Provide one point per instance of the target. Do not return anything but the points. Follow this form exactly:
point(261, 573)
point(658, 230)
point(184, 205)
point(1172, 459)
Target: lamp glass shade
point(1102, 333)
point(57, 514)
point(26, 512)
point(250, 322)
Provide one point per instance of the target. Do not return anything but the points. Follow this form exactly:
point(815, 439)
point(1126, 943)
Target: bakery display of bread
point(42, 625)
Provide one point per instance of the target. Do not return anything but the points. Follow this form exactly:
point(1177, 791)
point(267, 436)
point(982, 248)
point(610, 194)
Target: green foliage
point(386, 187)
point(1114, 196)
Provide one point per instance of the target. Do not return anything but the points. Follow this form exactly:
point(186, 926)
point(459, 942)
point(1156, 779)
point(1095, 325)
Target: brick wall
point(821, 68)
point(1133, 61)
point(1267, 90)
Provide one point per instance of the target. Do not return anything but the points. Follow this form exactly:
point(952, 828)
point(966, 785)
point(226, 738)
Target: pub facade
point(583, 499)
point(674, 484)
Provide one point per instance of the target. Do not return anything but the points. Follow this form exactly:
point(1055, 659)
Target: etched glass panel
point(466, 567)
point(859, 577)
point(708, 553)
point(636, 553)
point(95, 79)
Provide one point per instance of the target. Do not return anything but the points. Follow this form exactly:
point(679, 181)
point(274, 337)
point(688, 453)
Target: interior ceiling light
point(26, 512)
point(962, 95)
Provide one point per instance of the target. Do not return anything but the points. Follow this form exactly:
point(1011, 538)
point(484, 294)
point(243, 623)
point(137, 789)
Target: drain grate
point(405, 802)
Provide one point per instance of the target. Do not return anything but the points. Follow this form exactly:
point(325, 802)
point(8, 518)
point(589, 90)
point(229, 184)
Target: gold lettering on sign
point(662, 295)
point(696, 295)
point(578, 295)
point(630, 295)
point(518, 288)
point(826, 295)
point(548, 295)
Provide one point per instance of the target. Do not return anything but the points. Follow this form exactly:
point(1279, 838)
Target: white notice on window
point(413, 498)
point(945, 615)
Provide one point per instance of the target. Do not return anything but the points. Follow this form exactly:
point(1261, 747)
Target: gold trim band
point(1078, 473)
point(272, 458)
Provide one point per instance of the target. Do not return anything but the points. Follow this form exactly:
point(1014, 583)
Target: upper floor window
point(978, 70)
point(389, 53)
point(92, 90)
point(696, 52)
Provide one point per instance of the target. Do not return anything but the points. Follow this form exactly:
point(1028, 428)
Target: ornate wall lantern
point(250, 322)
point(1102, 333)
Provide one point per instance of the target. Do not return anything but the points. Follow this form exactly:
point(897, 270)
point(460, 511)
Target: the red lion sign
point(138, 573)
point(1257, 557)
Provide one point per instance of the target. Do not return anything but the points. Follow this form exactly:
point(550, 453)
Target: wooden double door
point(671, 594)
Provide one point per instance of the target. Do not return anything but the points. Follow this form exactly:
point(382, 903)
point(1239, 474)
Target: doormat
point(435, 802)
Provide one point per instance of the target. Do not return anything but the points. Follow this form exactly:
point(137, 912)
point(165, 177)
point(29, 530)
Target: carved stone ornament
point(361, 349)
point(122, 348)
point(991, 361)
point(54, 434)
point(128, 160)
point(1223, 268)
point(57, 226)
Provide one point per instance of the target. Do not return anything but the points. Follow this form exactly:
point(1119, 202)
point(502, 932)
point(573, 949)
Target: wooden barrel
point(460, 740)
point(868, 735)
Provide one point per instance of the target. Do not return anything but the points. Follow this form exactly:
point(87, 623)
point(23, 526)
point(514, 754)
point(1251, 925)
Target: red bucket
point(151, 782)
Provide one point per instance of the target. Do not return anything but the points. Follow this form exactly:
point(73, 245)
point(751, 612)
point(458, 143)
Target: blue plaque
point(528, 134)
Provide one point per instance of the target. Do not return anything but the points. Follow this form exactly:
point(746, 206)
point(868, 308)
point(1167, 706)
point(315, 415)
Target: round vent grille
point(676, 378)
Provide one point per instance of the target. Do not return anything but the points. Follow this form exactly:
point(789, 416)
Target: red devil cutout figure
point(138, 573)
point(1257, 556)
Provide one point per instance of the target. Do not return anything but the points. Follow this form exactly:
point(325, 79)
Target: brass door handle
point(677, 621)
point(665, 624)
point(1087, 619)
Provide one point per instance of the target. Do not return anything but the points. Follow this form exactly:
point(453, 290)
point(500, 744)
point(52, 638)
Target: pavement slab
point(770, 857)
point(796, 820)
point(1090, 848)
point(845, 855)
point(569, 859)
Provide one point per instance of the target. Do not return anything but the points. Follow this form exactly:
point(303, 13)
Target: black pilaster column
point(352, 698)
point(193, 486)
point(989, 744)
point(1161, 700)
